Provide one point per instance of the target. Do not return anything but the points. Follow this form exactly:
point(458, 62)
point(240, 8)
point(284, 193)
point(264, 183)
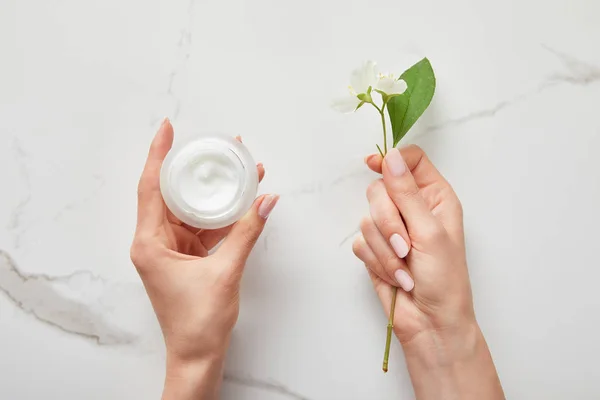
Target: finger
point(387, 218)
point(261, 171)
point(393, 269)
point(404, 192)
point(151, 206)
point(364, 253)
point(384, 290)
point(244, 233)
point(374, 161)
point(427, 175)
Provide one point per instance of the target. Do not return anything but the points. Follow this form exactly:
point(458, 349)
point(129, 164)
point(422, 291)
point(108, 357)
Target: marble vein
point(273, 387)
point(476, 115)
point(576, 72)
point(35, 294)
point(50, 300)
point(349, 236)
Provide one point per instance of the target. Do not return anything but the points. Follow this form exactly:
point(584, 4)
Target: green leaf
point(405, 109)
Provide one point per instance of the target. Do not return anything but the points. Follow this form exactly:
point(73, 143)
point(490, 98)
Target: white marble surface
point(514, 126)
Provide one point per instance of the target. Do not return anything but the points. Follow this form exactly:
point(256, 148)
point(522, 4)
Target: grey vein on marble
point(577, 72)
point(56, 302)
point(40, 296)
point(349, 236)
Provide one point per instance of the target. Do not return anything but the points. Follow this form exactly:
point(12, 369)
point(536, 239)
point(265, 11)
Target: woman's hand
point(194, 294)
point(414, 240)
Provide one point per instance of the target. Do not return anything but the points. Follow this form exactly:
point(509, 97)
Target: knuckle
point(366, 224)
point(458, 208)
point(373, 188)
point(413, 148)
point(408, 191)
point(453, 203)
point(145, 253)
point(139, 252)
point(433, 234)
point(358, 246)
point(387, 224)
point(391, 262)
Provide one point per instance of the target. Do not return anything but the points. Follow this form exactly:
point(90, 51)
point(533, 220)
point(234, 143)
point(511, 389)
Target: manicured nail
point(267, 205)
point(399, 245)
point(395, 162)
point(164, 121)
point(260, 165)
point(369, 157)
point(404, 279)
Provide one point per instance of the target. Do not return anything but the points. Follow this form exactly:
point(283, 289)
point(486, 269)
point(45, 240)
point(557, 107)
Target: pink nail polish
point(399, 245)
point(404, 279)
point(395, 162)
point(267, 205)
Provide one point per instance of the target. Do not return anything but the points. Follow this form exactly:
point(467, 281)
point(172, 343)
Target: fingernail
point(164, 121)
point(260, 165)
point(395, 162)
point(399, 245)
point(404, 279)
point(369, 157)
point(267, 205)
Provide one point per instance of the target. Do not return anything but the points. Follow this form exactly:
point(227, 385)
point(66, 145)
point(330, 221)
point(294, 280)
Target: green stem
point(390, 328)
point(384, 129)
point(381, 112)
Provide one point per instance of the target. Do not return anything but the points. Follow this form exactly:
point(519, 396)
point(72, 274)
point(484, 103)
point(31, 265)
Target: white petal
point(399, 87)
point(385, 84)
point(389, 85)
point(346, 104)
point(364, 77)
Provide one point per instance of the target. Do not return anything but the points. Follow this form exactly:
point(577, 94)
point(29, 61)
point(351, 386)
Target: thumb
point(244, 234)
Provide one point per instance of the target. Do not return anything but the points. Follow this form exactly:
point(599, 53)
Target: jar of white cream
point(209, 182)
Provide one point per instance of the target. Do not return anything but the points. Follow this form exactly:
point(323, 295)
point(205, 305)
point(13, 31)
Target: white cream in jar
point(209, 182)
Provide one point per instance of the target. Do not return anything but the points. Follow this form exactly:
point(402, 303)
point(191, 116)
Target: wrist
point(193, 378)
point(445, 347)
point(452, 363)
